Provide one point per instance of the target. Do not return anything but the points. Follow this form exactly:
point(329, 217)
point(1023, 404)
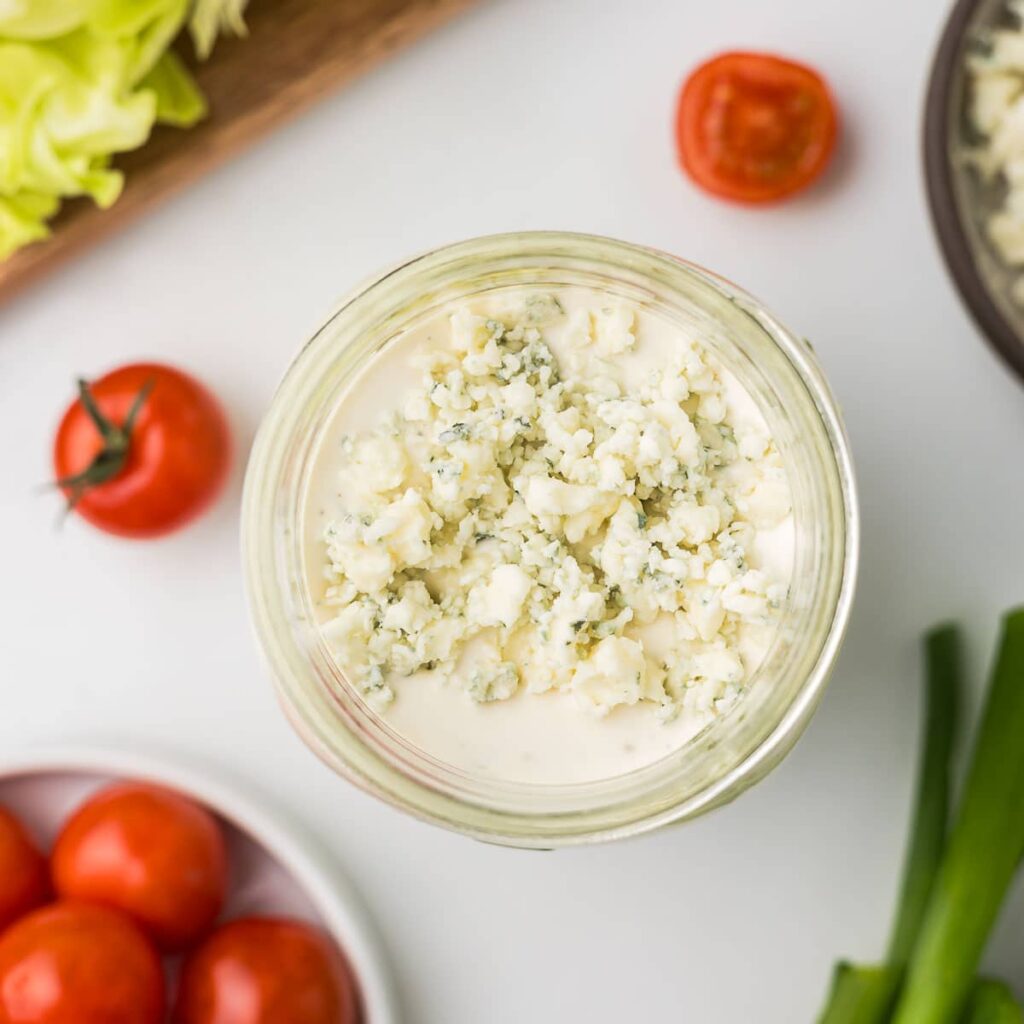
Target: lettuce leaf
point(211, 17)
point(23, 219)
point(42, 19)
point(83, 80)
point(91, 113)
point(178, 99)
point(58, 127)
point(154, 38)
point(118, 19)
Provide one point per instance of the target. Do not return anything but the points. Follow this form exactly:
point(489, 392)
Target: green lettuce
point(210, 17)
point(83, 80)
point(41, 19)
point(149, 44)
point(59, 129)
point(23, 219)
point(178, 99)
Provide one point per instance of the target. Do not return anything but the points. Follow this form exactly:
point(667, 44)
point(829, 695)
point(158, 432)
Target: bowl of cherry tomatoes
point(138, 891)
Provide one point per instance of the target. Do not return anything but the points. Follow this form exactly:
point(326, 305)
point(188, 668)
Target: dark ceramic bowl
point(959, 201)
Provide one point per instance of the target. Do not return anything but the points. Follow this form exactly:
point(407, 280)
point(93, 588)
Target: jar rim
point(271, 572)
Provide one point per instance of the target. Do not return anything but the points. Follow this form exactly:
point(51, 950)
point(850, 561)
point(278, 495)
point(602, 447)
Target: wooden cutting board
point(297, 51)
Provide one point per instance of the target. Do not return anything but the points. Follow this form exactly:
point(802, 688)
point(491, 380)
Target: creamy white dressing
point(529, 737)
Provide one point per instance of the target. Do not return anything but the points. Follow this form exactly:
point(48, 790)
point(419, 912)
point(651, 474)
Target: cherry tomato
point(151, 853)
point(755, 128)
point(24, 877)
point(72, 963)
point(265, 971)
point(142, 451)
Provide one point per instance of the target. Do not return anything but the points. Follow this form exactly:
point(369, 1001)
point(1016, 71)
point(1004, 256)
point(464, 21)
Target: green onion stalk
point(992, 1002)
point(982, 854)
point(864, 994)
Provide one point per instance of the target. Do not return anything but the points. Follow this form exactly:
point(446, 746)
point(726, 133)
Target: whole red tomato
point(266, 971)
point(24, 877)
point(142, 451)
point(152, 853)
point(72, 963)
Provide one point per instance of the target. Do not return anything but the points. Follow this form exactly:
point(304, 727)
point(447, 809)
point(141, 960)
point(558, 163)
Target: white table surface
point(535, 114)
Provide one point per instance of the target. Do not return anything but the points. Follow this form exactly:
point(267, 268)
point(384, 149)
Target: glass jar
point(735, 750)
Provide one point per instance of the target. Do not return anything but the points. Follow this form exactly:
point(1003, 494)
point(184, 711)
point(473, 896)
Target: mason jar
point(781, 374)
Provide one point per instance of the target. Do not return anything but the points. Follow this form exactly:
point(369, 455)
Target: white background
point(537, 114)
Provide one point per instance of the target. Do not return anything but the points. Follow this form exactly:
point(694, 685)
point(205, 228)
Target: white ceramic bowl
point(276, 869)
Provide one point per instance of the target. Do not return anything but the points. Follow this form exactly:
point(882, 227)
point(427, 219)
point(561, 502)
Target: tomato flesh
point(755, 128)
point(24, 876)
point(149, 852)
point(72, 963)
point(177, 458)
point(265, 971)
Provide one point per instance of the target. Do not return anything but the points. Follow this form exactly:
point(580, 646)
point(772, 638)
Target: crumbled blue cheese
point(614, 672)
point(996, 106)
point(521, 520)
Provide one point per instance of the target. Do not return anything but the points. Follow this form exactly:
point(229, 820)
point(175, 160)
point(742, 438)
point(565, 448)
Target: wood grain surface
point(297, 51)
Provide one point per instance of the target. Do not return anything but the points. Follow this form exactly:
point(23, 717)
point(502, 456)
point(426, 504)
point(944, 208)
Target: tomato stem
point(117, 439)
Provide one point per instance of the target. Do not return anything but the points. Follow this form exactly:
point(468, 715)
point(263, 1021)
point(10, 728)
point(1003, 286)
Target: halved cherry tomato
point(24, 876)
point(755, 128)
point(142, 451)
point(72, 963)
point(266, 971)
point(152, 853)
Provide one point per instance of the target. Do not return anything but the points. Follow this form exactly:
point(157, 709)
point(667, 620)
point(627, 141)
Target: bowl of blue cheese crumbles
point(546, 541)
point(974, 164)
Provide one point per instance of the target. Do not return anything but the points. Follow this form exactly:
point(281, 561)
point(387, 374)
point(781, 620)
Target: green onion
point(865, 995)
point(992, 1002)
point(931, 807)
point(860, 994)
point(982, 854)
